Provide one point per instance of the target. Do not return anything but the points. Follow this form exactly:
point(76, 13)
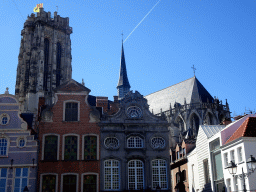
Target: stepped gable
point(190, 90)
point(247, 129)
point(72, 86)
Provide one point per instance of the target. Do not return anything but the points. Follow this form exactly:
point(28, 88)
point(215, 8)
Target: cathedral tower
point(44, 58)
point(123, 86)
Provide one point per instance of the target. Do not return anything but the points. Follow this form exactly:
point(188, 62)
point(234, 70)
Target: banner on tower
point(36, 9)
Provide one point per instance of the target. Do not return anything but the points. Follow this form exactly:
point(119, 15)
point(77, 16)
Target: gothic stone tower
point(44, 58)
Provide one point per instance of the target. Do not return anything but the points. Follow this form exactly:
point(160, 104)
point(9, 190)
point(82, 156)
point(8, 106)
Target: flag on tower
point(36, 9)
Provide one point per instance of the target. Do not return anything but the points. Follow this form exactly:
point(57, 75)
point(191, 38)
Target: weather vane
point(122, 35)
point(194, 69)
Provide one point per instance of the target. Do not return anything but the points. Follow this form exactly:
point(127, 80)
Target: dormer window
point(5, 118)
point(71, 111)
point(3, 146)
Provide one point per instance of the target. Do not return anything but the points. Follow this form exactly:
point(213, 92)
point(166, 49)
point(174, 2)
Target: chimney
point(226, 121)
point(102, 102)
point(115, 99)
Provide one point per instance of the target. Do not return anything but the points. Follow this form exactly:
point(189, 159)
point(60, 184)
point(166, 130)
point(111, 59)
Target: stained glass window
point(90, 183)
point(159, 173)
point(71, 112)
point(69, 183)
point(3, 176)
point(135, 174)
point(90, 148)
point(3, 146)
point(70, 148)
point(21, 179)
point(111, 174)
point(49, 183)
point(50, 147)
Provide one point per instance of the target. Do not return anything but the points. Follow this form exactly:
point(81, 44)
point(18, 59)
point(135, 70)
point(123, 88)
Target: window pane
point(159, 173)
point(18, 172)
point(49, 183)
point(69, 183)
point(90, 183)
point(135, 174)
point(90, 148)
point(50, 147)
point(3, 172)
point(111, 174)
point(218, 166)
point(3, 146)
point(70, 148)
point(71, 112)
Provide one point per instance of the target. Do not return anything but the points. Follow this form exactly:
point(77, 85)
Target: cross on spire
point(194, 69)
point(122, 35)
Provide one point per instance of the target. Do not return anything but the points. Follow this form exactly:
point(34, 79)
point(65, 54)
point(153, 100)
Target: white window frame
point(78, 108)
point(134, 142)
point(91, 134)
point(234, 157)
point(63, 144)
point(228, 185)
point(89, 173)
point(235, 184)
point(135, 173)
point(4, 177)
point(159, 173)
point(240, 154)
point(111, 146)
point(8, 145)
point(77, 178)
point(18, 141)
point(111, 167)
point(43, 144)
point(41, 180)
point(21, 177)
point(225, 157)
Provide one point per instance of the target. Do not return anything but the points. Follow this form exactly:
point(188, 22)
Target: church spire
point(123, 86)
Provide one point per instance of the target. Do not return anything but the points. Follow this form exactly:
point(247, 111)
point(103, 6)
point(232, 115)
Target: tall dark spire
point(123, 85)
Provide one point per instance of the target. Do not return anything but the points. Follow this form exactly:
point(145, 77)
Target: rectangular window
point(218, 171)
point(239, 154)
point(90, 148)
point(111, 175)
point(70, 148)
point(232, 156)
point(235, 182)
point(226, 159)
point(3, 176)
point(50, 147)
point(178, 155)
point(159, 173)
point(69, 183)
point(214, 145)
point(21, 179)
point(184, 152)
point(71, 112)
point(206, 171)
point(90, 183)
point(49, 183)
point(228, 185)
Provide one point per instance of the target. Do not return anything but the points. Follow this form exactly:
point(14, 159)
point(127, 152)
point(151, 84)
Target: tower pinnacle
point(123, 86)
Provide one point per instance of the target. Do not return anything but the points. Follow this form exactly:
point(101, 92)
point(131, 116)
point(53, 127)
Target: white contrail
point(142, 20)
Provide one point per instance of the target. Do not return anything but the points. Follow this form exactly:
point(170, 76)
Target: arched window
point(194, 123)
point(111, 175)
point(159, 173)
point(90, 183)
point(3, 147)
point(183, 175)
point(58, 67)
point(46, 62)
point(180, 124)
point(134, 142)
point(208, 120)
point(135, 174)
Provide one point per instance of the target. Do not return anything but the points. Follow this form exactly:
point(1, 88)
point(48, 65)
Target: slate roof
point(191, 90)
point(211, 130)
point(247, 129)
point(123, 79)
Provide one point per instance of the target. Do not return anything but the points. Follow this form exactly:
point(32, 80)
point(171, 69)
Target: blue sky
point(217, 37)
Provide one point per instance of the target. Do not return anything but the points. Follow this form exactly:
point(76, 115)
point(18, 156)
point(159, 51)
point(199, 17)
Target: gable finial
point(6, 92)
point(194, 69)
point(82, 81)
point(122, 36)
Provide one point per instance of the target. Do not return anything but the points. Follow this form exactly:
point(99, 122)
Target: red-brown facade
point(78, 139)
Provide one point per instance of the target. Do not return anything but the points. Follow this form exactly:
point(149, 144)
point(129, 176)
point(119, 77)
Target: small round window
point(111, 142)
point(21, 142)
point(4, 117)
point(158, 142)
